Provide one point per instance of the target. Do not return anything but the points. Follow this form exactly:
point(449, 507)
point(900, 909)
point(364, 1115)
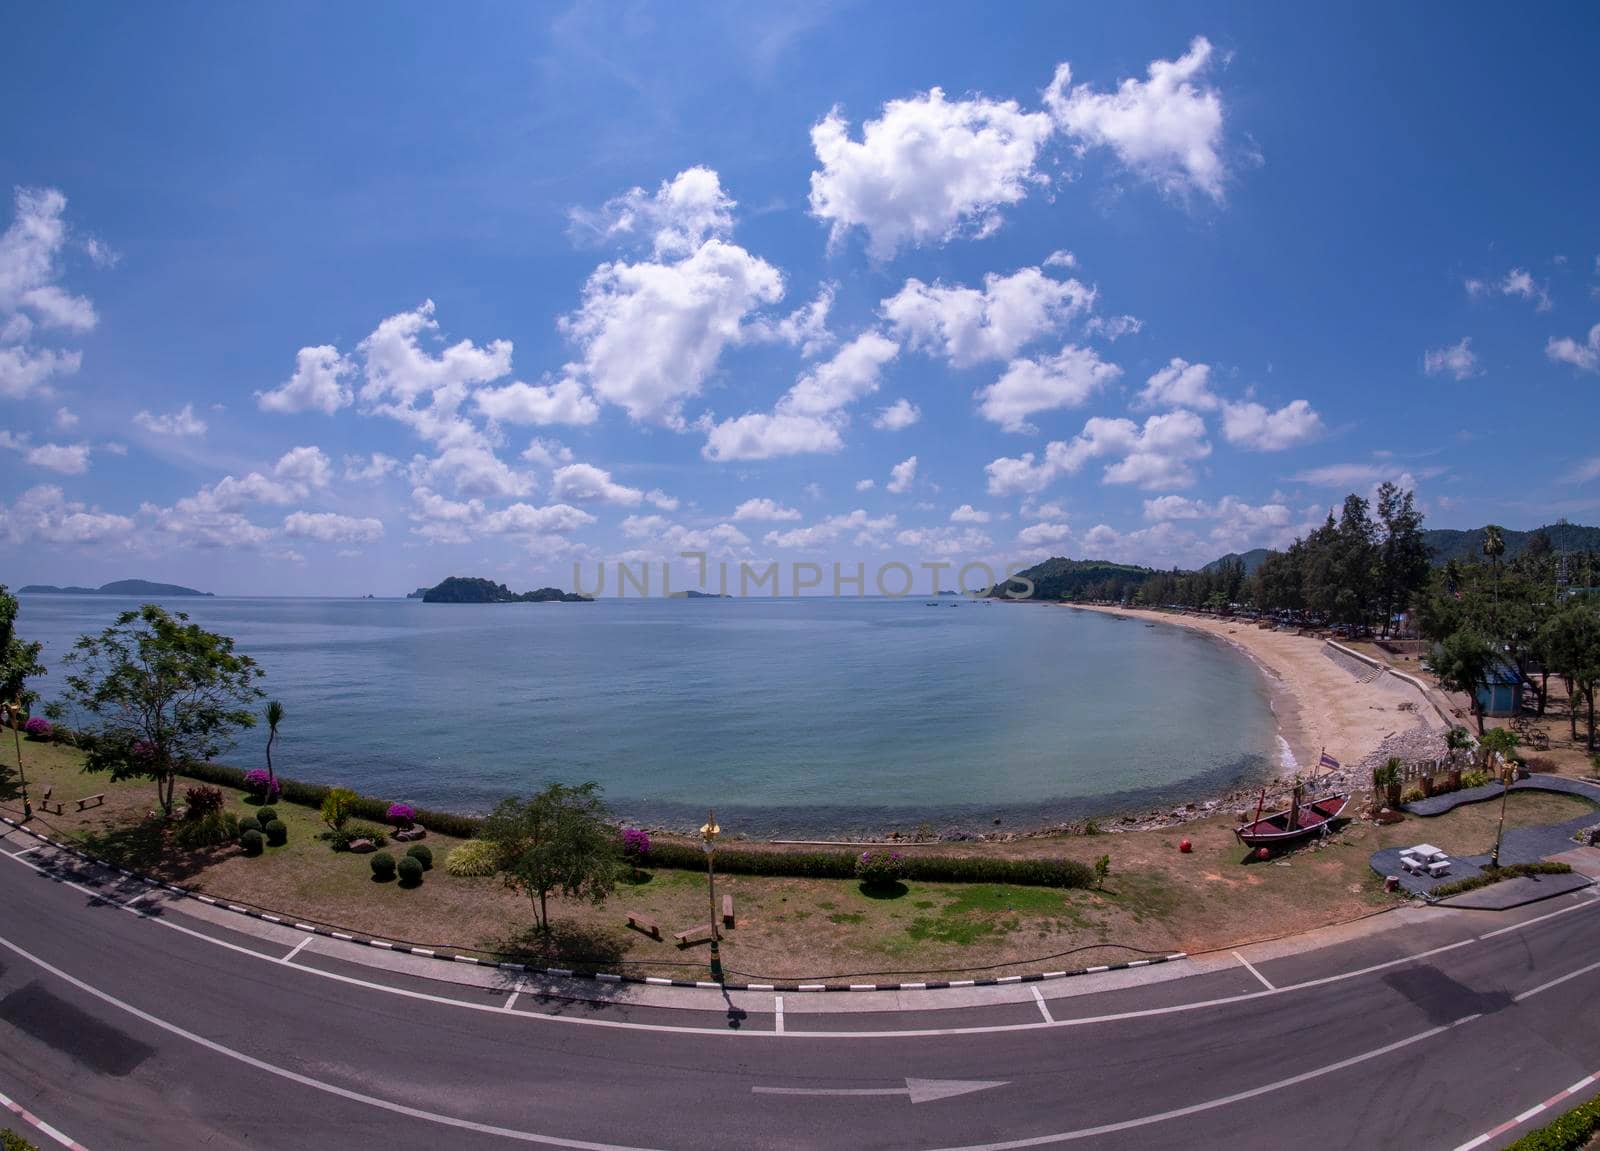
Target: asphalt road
point(160, 1030)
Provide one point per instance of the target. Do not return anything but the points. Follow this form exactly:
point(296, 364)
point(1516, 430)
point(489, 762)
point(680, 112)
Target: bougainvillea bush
point(402, 815)
point(880, 867)
point(260, 785)
point(635, 845)
point(37, 727)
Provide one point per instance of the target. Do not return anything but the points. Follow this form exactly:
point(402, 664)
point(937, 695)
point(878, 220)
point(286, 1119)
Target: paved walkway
point(1520, 845)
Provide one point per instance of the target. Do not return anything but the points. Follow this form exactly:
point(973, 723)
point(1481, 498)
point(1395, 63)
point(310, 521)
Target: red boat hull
point(1274, 830)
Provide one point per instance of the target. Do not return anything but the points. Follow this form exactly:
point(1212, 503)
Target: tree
point(1571, 641)
point(19, 662)
point(1494, 546)
point(1402, 556)
point(1463, 664)
point(559, 840)
point(166, 692)
point(274, 718)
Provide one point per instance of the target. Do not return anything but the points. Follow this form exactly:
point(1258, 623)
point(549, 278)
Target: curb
point(452, 956)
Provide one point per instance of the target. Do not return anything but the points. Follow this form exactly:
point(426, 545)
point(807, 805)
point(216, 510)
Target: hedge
point(842, 865)
point(1510, 871)
point(311, 795)
point(1568, 1132)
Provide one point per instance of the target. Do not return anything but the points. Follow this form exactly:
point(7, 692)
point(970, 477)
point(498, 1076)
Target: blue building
point(1502, 695)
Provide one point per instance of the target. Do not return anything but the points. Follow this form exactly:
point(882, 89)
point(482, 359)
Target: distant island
point(467, 589)
point(418, 594)
point(129, 587)
point(692, 594)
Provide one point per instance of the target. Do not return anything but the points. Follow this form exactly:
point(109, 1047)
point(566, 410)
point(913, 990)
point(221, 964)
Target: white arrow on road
point(920, 1090)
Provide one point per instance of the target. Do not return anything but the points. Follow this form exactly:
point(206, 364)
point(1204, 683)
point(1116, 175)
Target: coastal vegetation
point(468, 589)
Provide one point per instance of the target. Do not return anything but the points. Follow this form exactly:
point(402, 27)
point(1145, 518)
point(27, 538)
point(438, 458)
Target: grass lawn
point(1155, 898)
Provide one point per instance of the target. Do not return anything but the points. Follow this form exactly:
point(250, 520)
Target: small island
point(469, 589)
point(692, 594)
point(129, 587)
point(418, 594)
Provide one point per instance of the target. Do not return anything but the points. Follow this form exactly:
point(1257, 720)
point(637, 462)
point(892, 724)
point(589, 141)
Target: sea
point(792, 717)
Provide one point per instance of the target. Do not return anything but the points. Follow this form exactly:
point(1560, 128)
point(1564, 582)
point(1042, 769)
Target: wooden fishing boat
point(1299, 821)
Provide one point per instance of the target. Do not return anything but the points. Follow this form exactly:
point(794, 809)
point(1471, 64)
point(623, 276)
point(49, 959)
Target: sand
point(1319, 703)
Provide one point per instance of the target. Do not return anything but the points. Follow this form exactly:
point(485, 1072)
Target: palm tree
point(1494, 546)
point(274, 718)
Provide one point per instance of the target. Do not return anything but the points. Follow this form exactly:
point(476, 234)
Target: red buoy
point(1262, 853)
point(1185, 846)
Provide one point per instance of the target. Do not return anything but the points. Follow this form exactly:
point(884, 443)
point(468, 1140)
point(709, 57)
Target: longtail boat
point(1300, 820)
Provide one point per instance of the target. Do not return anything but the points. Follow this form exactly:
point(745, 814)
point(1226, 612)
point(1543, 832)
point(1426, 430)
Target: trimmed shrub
point(383, 866)
point(37, 727)
point(265, 814)
point(277, 832)
point(410, 869)
point(476, 857)
point(879, 867)
point(841, 865)
point(1510, 871)
point(249, 823)
point(252, 841)
point(202, 801)
point(402, 815)
point(208, 831)
point(422, 854)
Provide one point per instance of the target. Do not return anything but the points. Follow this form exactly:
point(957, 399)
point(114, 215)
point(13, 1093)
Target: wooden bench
point(727, 911)
point(645, 924)
point(693, 935)
point(91, 801)
point(49, 808)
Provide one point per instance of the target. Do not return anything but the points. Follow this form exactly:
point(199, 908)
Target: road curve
point(144, 1026)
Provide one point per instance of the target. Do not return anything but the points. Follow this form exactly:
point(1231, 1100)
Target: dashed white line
point(1250, 967)
point(1044, 1008)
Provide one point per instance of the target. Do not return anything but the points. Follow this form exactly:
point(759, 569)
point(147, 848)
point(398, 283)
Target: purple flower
point(258, 782)
point(635, 843)
point(37, 727)
point(402, 814)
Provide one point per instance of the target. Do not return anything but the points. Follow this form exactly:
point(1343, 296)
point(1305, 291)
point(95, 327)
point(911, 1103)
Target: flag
point(1329, 762)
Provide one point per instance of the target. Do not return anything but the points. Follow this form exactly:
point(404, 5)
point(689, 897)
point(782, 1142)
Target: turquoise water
point(791, 717)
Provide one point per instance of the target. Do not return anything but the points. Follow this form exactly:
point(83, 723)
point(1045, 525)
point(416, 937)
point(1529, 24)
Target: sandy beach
point(1319, 703)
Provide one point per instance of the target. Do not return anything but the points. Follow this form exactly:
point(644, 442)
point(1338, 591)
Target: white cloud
point(1458, 360)
point(1355, 475)
point(1585, 471)
point(1517, 282)
point(1044, 384)
point(472, 469)
point(927, 169)
point(1585, 356)
point(66, 419)
point(29, 269)
point(561, 402)
point(68, 459)
point(1032, 510)
point(866, 485)
point(1113, 328)
point(318, 384)
point(1252, 426)
point(1043, 534)
point(809, 417)
point(1180, 385)
point(442, 520)
point(22, 370)
point(332, 528)
point(398, 370)
point(650, 333)
point(43, 514)
point(524, 519)
point(806, 327)
point(945, 541)
point(968, 326)
point(182, 423)
point(1167, 128)
point(967, 514)
point(305, 467)
point(897, 416)
point(764, 509)
point(1159, 454)
point(661, 499)
point(677, 218)
point(858, 526)
point(369, 469)
point(547, 453)
point(586, 483)
point(902, 476)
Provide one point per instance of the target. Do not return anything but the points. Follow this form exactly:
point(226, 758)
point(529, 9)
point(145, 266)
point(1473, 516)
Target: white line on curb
point(511, 1000)
point(777, 1014)
point(1044, 1008)
point(39, 1124)
point(296, 949)
point(1250, 967)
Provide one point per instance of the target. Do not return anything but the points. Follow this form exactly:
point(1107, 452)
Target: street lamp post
point(12, 716)
point(1505, 790)
point(708, 834)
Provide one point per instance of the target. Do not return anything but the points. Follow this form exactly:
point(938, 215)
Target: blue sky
point(310, 300)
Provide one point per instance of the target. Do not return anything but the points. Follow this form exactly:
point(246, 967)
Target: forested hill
point(1058, 578)
point(469, 589)
point(1251, 559)
point(1445, 544)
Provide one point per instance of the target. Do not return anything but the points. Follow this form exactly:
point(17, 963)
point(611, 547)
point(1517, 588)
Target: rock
point(362, 846)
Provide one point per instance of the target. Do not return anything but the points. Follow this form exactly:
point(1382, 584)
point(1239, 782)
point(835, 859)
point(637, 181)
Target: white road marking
point(1044, 1008)
point(917, 1090)
point(777, 1014)
point(910, 1033)
point(40, 1125)
point(1250, 967)
point(1531, 992)
point(511, 1000)
point(296, 949)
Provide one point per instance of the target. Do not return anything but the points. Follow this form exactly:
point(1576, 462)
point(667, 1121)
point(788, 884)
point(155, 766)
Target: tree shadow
point(895, 890)
point(637, 878)
point(563, 945)
point(147, 847)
